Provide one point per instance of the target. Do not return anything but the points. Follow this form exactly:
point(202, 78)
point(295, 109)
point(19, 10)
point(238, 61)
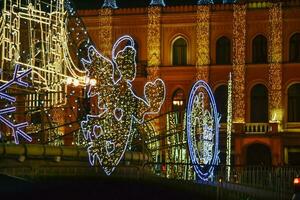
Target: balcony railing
point(256, 128)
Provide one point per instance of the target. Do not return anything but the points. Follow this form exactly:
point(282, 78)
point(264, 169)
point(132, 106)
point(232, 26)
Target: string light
point(229, 128)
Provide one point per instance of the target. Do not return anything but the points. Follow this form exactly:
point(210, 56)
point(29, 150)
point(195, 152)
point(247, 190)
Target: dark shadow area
point(97, 188)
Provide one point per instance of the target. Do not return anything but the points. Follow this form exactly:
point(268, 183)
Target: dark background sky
point(84, 4)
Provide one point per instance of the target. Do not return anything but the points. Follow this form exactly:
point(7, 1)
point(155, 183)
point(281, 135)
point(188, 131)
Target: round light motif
point(203, 130)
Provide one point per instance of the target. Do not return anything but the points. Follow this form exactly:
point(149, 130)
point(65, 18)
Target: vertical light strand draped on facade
point(105, 32)
point(239, 47)
point(153, 41)
point(275, 60)
point(202, 31)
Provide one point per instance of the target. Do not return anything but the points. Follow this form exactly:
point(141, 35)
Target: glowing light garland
point(239, 52)
point(229, 128)
point(108, 132)
point(203, 57)
point(110, 4)
point(16, 128)
point(203, 131)
point(275, 60)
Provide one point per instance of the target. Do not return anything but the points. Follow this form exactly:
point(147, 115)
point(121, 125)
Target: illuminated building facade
point(257, 41)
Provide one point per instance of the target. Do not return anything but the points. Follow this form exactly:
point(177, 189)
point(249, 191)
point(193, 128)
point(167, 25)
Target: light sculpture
point(157, 3)
point(203, 130)
point(16, 128)
point(109, 4)
point(109, 131)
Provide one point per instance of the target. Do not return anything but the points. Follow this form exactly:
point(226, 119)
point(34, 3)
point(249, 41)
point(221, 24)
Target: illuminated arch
point(157, 3)
point(294, 49)
point(179, 51)
point(109, 4)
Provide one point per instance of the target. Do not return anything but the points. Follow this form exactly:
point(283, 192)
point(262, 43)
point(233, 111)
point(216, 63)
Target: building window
point(180, 52)
point(295, 48)
point(294, 103)
point(260, 49)
point(178, 103)
point(223, 51)
point(259, 104)
point(221, 97)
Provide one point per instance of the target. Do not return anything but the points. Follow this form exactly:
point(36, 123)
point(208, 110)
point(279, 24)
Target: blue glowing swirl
point(207, 171)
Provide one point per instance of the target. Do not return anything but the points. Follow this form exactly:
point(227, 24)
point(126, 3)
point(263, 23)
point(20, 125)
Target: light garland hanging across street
point(108, 132)
point(16, 128)
point(203, 130)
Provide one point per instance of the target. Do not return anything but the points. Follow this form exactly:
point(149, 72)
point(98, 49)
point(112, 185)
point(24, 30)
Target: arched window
point(259, 104)
point(223, 51)
point(294, 103)
point(295, 48)
point(180, 52)
point(221, 97)
point(178, 103)
point(260, 49)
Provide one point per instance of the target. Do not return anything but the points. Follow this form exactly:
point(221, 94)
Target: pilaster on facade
point(153, 41)
point(105, 32)
point(275, 60)
point(239, 55)
point(202, 31)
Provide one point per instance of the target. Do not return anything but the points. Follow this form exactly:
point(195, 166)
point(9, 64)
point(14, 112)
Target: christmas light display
point(203, 130)
point(16, 128)
point(229, 127)
point(108, 132)
point(38, 39)
point(157, 3)
point(109, 4)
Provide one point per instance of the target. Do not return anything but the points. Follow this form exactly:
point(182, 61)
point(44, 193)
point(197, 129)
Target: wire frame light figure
point(109, 129)
point(157, 3)
point(202, 125)
point(110, 4)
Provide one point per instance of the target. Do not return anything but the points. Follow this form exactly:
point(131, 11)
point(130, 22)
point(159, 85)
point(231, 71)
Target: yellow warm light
point(93, 82)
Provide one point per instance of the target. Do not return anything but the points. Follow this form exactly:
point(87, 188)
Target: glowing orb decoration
point(203, 130)
point(16, 128)
point(109, 129)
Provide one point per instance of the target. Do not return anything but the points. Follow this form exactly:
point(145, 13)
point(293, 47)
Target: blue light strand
point(110, 4)
point(194, 154)
point(157, 3)
point(16, 128)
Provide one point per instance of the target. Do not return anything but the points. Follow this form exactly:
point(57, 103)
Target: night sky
point(85, 4)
